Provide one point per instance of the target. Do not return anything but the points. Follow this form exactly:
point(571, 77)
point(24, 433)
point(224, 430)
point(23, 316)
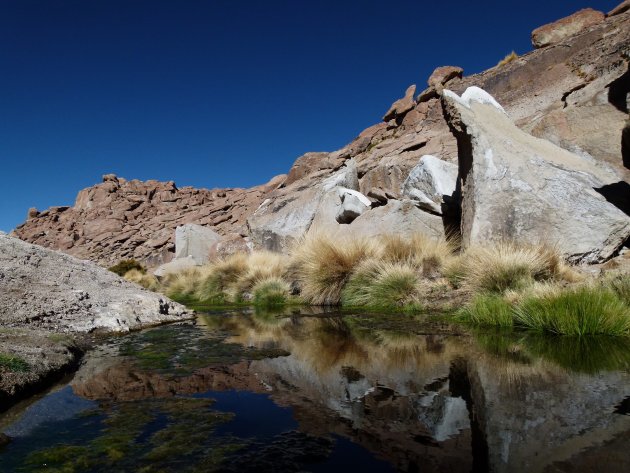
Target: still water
point(246, 391)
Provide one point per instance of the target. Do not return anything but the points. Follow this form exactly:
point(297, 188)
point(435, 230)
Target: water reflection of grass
point(168, 435)
point(579, 354)
point(181, 349)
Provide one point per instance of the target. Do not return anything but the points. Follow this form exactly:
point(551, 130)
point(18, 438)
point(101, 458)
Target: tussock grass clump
point(509, 266)
point(219, 277)
point(620, 284)
point(576, 311)
point(429, 254)
point(182, 283)
point(487, 310)
point(324, 265)
point(261, 265)
point(271, 292)
point(148, 281)
point(382, 284)
point(508, 59)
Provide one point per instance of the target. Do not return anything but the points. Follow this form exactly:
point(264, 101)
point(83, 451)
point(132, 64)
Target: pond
point(290, 392)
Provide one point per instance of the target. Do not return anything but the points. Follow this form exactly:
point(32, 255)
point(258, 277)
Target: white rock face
point(518, 187)
point(47, 289)
point(195, 241)
point(396, 217)
point(352, 204)
point(430, 182)
point(278, 222)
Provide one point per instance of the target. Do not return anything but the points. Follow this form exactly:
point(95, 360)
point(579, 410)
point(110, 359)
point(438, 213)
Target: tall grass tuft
point(382, 284)
point(508, 59)
point(271, 292)
point(509, 266)
point(148, 281)
point(261, 265)
point(577, 311)
point(429, 254)
point(487, 310)
point(323, 265)
point(219, 276)
point(182, 283)
point(620, 284)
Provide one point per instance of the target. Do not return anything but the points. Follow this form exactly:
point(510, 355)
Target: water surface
point(288, 392)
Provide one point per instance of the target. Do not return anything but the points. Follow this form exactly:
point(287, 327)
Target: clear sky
point(219, 93)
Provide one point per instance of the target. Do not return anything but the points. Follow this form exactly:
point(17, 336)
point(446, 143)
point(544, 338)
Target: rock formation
point(41, 288)
point(518, 187)
point(573, 93)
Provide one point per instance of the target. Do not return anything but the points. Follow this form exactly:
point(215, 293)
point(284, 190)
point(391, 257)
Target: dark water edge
point(245, 391)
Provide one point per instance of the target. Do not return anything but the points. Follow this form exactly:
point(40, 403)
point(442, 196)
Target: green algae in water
point(182, 349)
point(163, 435)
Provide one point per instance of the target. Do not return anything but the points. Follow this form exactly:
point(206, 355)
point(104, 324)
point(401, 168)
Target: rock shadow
point(617, 194)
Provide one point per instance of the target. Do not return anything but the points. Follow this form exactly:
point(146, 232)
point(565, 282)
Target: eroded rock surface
point(518, 187)
point(41, 288)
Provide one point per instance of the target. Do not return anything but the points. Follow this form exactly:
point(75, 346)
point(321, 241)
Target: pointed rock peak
point(401, 106)
point(473, 94)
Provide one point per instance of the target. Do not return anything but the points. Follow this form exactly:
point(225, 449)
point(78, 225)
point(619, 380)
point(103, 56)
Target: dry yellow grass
point(148, 281)
point(324, 265)
point(182, 283)
point(428, 254)
point(261, 265)
point(508, 59)
point(219, 277)
point(508, 265)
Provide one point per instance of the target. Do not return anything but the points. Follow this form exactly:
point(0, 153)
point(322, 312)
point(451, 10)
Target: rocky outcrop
point(195, 241)
point(431, 184)
point(560, 30)
point(120, 219)
point(289, 212)
point(573, 94)
point(621, 8)
point(518, 187)
point(401, 106)
point(45, 289)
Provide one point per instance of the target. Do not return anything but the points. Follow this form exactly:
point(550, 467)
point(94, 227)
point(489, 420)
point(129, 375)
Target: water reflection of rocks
point(423, 402)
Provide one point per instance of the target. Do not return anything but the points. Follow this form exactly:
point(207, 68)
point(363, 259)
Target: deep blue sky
point(219, 93)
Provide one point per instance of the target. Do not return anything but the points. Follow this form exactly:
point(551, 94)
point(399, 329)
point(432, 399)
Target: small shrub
point(12, 363)
point(508, 59)
point(578, 311)
point(271, 292)
point(488, 310)
point(148, 281)
point(126, 265)
point(324, 265)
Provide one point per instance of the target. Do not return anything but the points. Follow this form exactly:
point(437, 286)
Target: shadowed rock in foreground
point(50, 290)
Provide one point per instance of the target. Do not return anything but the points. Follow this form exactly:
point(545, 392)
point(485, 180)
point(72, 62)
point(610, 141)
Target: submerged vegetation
point(507, 285)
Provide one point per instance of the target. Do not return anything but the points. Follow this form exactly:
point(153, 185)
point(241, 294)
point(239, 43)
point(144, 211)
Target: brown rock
point(442, 75)
point(564, 28)
point(32, 213)
point(621, 8)
point(427, 94)
point(401, 106)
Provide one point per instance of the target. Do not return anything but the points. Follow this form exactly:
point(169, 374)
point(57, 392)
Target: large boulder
point(564, 28)
point(285, 217)
point(352, 204)
point(518, 187)
point(195, 241)
point(431, 183)
point(42, 288)
point(400, 217)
